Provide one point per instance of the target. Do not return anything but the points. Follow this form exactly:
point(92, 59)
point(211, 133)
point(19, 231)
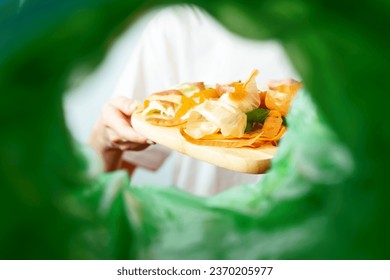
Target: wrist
point(110, 154)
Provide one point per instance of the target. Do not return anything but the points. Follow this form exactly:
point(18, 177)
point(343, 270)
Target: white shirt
point(184, 44)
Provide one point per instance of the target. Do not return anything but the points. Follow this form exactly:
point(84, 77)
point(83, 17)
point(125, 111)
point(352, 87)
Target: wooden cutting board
point(247, 160)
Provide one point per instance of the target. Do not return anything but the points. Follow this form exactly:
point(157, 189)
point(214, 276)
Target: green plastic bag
point(325, 197)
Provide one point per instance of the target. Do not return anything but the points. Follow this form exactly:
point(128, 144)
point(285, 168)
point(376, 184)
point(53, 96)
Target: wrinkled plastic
point(325, 197)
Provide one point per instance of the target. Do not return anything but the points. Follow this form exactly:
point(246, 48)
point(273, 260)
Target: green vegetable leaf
point(257, 115)
point(249, 126)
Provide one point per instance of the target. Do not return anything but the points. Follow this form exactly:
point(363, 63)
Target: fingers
point(124, 105)
point(120, 124)
point(119, 133)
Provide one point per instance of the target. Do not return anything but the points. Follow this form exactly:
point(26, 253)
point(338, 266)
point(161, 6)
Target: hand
point(114, 134)
point(118, 132)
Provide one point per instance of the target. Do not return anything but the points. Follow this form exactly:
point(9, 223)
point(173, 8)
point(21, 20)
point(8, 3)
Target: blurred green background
point(326, 196)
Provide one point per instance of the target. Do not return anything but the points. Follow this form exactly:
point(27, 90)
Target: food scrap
point(227, 115)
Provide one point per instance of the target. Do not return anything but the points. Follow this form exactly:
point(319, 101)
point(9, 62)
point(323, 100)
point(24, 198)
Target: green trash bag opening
point(325, 196)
